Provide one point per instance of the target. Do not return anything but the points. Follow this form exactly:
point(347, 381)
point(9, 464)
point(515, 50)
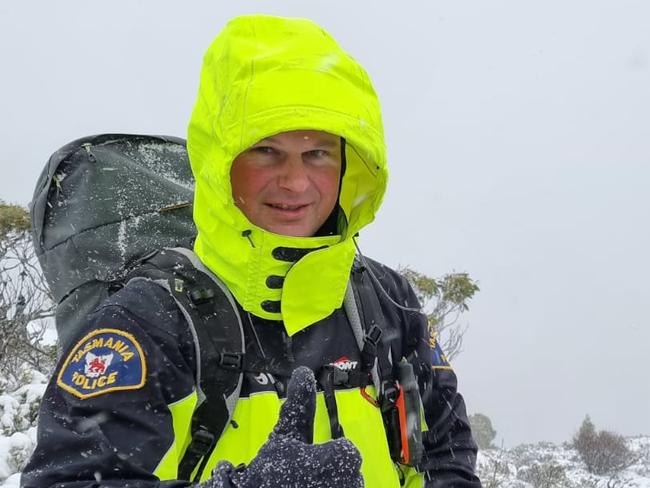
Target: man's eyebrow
point(266, 139)
point(329, 143)
point(320, 141)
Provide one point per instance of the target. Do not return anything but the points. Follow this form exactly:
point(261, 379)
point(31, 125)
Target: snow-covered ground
point(543, 465)
point(547, 465)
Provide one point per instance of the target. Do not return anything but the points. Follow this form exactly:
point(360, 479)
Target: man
point(286, 145)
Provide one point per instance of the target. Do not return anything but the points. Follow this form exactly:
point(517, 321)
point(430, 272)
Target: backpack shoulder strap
point(361, 305)
point(397, 387)
point(215, 323)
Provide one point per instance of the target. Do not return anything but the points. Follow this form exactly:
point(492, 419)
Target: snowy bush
point(26, 306)
point(528, 454)
point(602, 452)
point(544, 475)
point(494, 470)
point(18, 411)
point(551, 465)
point(15, 451)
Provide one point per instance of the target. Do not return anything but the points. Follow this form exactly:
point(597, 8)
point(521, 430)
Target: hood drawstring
point(247, 234)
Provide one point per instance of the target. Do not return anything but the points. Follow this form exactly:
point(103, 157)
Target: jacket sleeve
point(104, 419)
point(450, 451)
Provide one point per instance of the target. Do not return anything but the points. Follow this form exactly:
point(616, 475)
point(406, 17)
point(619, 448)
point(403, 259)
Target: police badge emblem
point(103, 361)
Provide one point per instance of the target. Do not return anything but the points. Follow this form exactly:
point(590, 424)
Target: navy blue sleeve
point(450, 450)
point(104, 419)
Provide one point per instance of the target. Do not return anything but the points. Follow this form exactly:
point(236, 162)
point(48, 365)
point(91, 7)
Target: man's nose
point(294, 175)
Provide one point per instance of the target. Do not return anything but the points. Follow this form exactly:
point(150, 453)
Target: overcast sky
point(519, 149)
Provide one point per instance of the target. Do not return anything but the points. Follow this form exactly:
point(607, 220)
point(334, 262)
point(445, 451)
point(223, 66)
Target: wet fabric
point(118, 439)
point(289, 458)
point(137, 438)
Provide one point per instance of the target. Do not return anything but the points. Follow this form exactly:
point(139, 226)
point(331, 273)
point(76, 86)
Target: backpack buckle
point(200, 296)
point(231, 360)
point(202, 441)
point(388, 395)
point(372, 337)
point(339, 377)
point(202, 299)
point(200, 445)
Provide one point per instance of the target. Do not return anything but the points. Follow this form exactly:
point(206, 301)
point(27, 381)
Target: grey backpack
point(101, 203)
point(114, 207)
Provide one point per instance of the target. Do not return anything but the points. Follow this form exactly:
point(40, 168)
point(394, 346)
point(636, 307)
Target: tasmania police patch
point(105, 360)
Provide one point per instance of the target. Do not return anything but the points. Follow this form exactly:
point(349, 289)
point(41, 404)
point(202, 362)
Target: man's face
point(288, 183)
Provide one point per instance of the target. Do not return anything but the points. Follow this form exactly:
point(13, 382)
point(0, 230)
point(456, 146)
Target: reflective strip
point(413, 478)
point(181, 411)
point(255, 417)
point(364, 426)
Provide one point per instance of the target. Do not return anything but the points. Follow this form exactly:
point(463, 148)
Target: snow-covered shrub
point(493, 470)
point(528, 454)
point(18, 410)
point(27, 340)
point(544, 475)
point(602, 452)
point(14, 453)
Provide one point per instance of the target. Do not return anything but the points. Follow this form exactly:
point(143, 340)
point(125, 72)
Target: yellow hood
point(261, 76)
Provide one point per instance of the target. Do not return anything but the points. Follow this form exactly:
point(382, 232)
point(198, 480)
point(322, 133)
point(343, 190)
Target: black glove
point(289, 459)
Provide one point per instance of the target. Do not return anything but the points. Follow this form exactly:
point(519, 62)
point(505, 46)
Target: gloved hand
point(289, 459)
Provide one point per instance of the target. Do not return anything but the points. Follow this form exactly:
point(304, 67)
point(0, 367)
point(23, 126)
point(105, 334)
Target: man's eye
point(319, 153)
point(263, 150)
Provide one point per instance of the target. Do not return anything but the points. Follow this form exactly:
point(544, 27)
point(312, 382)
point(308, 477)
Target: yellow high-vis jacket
point(261, 76)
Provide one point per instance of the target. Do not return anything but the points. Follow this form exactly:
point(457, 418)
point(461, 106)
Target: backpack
point(101, 203)
point(112, 208)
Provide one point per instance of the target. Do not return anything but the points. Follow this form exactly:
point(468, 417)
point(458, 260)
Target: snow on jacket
point(136, 437)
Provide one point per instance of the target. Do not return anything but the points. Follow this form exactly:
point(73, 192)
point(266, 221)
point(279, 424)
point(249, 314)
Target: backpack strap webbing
point(361, 304)
point(216, 326)
point(392, 371)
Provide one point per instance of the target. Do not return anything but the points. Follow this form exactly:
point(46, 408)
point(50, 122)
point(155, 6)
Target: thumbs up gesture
point(289, 459)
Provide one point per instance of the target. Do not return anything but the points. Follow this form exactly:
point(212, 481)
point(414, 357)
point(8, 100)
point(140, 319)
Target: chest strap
point(375, 366)
point(332, 378)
